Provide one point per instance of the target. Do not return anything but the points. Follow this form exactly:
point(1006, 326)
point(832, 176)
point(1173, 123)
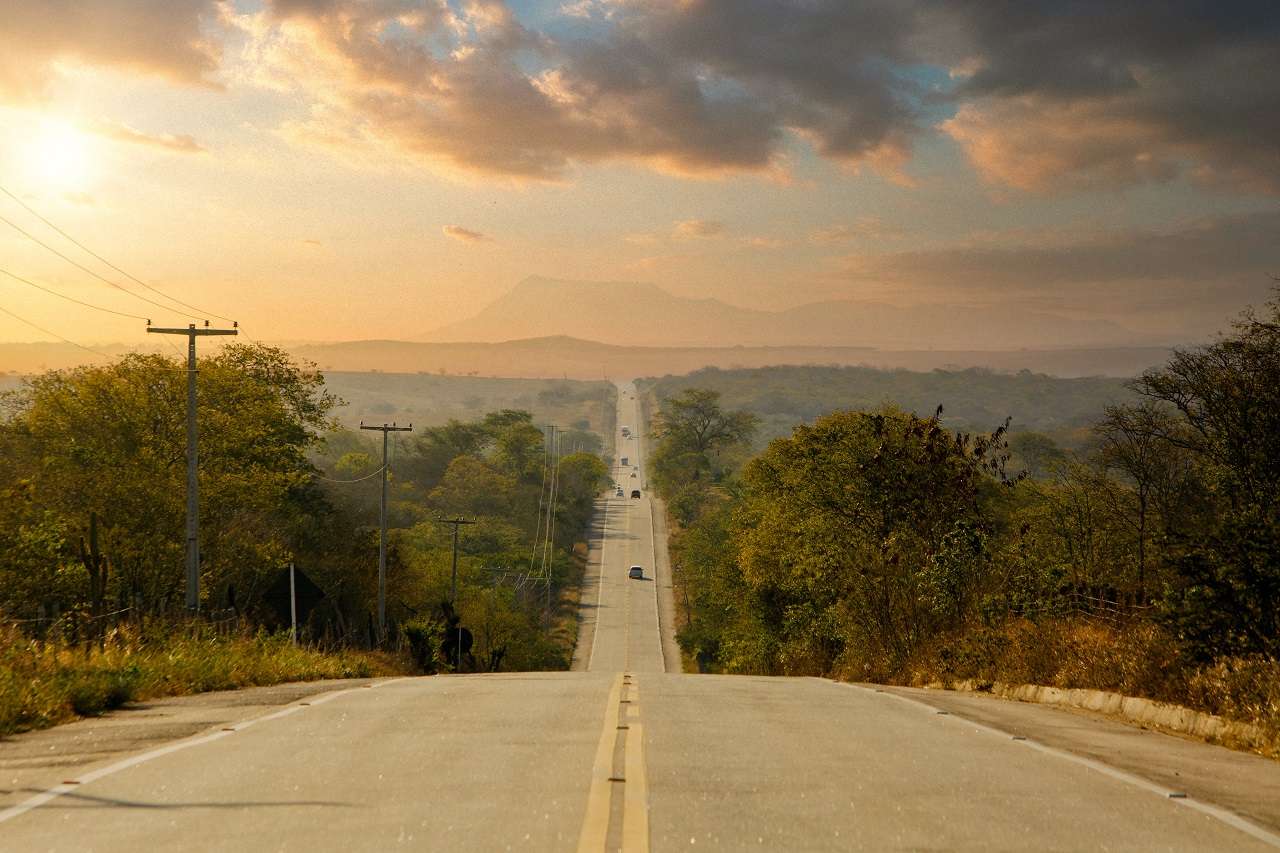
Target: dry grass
point(1139, 659)
point(42, 685)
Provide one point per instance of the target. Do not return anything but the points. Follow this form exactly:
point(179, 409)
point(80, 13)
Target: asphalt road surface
point(623, 753)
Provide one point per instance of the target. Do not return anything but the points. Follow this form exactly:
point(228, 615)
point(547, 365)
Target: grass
point(42, 685)
point(1138, 659)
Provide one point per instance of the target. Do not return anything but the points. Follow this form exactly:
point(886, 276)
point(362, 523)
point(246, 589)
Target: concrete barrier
point(1156, 714)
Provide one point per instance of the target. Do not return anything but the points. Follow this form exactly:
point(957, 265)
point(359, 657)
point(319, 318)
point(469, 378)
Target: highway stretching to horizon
point(623, 752)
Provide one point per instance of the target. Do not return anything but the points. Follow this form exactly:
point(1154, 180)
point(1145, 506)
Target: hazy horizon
point(343, 171)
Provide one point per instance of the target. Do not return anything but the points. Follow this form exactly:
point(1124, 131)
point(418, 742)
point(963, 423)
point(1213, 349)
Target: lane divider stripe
point(595, 821)
point(635, 802)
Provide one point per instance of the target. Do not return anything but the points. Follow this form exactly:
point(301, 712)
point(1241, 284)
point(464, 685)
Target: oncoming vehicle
point(624, 460)
point(635, 493)
point(636, 572)
point(620, 493)
point(626, 432)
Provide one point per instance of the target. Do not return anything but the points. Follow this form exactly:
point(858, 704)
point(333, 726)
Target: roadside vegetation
point(877, 544)
point(45, 682)
point(92, 492)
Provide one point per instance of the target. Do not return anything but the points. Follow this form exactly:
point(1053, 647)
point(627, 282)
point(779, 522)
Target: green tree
point(110, 442)
point(1225, 597)
point(471, 487)
point(856, 529)
point(689, 429)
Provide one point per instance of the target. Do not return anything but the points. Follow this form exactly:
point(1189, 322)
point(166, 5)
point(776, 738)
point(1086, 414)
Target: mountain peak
point(636, 313)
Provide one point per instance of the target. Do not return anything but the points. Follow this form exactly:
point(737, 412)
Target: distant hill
point(640, 314)
point(562, 357)
point(557, 357)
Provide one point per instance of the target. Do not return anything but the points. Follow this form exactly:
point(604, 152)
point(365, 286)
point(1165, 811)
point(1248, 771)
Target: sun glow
point(60, 155)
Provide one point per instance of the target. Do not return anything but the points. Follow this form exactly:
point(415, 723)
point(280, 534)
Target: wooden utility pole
point(382, 540)
point(453, 586)
point(193, 468)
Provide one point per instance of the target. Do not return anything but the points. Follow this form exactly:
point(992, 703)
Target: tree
point(109, 443)
point(1225, 598)
point(1035, 452)
point(1228, 394)
point(471, 487)
point(1157, 478)
point(863, 534)
point(688, 429)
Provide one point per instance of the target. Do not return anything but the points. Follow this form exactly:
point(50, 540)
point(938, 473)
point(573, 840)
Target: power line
point(54, 334)
point(37, 240)
point(356, 480)
point(108, 263)
point(72, 298)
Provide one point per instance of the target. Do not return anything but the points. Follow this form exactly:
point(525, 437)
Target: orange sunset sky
point(340, 170)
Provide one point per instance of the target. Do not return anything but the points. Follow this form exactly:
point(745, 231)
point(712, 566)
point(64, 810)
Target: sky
point(357, 169)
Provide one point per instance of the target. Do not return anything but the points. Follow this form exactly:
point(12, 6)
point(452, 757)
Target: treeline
point(879, 544)
point(975, 398)
point(92, 497)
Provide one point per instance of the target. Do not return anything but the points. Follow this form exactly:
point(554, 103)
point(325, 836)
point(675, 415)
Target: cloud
point(1080, 95)
point(865, 226)
point(765, 242)
point(580, 9)
point(1061, 97)
point(81, 198)
point(1199, 273)
point(688, 88)
point(1052, 97)
point(464, 235)
point(162, 38)
point(312, 244)
point(175, 143)
point(699, 228)
point(641, 239)
point(658, 261)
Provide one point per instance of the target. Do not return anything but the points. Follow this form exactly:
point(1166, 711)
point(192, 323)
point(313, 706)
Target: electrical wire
point(72, 298)
point(356, 480)
point(26, 207)
point(54, 334)
point(37, 240)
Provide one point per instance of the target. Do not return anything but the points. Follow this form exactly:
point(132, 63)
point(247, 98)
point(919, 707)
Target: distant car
point(624, 460)
point(633, 473)
point(619, 493)
point(635, 493)
point(636, 572)
point(635, 467)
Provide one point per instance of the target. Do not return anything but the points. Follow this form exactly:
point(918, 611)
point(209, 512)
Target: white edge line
point(1228, 817)
point(595, 620)
point(56, 791)
point(657, 602)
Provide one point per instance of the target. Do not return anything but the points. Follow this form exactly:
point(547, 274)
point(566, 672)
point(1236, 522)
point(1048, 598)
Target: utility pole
point(549, 550)
point(382, 539)
point(193, 468)
point(453, 585)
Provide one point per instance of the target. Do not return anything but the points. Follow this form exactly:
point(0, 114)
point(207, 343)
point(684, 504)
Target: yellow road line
point(595, 822)
point(635, 803)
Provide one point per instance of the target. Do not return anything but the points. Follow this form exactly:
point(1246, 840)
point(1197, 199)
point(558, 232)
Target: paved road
point(623, 753)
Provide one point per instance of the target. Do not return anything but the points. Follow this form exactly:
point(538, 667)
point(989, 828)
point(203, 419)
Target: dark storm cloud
point(1085, 94)
point(1212, 265)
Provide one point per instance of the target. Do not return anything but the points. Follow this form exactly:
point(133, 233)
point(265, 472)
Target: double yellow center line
point(621, 720)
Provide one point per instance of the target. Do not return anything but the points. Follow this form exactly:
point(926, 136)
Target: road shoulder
point(671, 658)
point(33, 762)
point(1248, 785)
